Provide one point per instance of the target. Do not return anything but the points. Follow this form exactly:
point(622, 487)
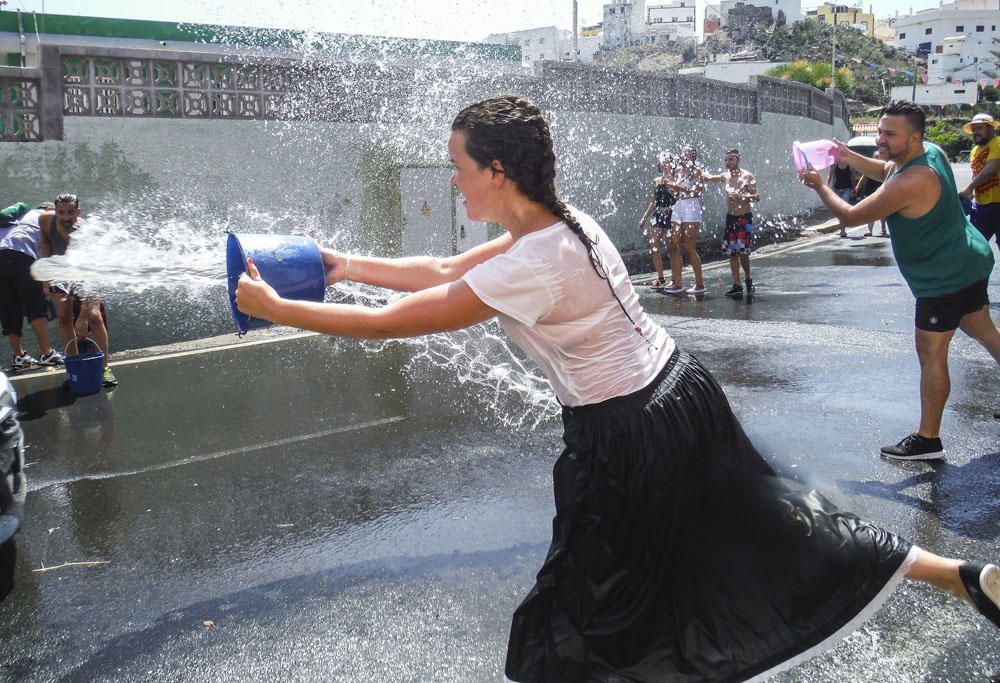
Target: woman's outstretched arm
point(441, 308)
point(412, 273)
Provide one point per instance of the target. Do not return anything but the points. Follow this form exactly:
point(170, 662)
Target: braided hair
point(511, 129)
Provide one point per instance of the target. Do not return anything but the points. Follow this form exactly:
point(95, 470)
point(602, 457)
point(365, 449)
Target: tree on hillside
point(875, 66)
point(816, 74)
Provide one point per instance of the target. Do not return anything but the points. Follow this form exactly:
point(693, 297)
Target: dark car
point(12, 482)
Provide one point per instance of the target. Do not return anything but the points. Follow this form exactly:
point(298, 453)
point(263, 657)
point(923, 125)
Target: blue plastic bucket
point(290, 264)
point(85, 370)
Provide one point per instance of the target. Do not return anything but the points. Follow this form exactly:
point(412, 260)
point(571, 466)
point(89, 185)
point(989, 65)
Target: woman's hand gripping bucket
point(292, 265)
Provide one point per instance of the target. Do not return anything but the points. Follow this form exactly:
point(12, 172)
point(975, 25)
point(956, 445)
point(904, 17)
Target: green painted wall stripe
point(66, 25)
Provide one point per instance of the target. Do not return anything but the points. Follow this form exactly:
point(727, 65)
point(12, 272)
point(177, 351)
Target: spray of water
point(480, 355)
point(164, 254)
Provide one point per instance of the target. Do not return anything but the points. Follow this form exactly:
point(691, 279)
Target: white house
point(925, 30)
point(739, 71)
point(936, 93)
point(548, 43)
point(670, 21)
point(624, 22)
point(960, 60)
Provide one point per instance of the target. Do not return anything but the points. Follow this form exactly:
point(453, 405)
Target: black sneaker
point(735, 291)
point(982, 583)
point(750, 286)
point(915, 447)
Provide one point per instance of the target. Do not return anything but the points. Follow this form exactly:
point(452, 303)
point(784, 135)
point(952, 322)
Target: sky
point(434, 19)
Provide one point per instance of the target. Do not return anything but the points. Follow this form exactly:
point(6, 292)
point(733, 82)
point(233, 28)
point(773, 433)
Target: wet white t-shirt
point(555, 307)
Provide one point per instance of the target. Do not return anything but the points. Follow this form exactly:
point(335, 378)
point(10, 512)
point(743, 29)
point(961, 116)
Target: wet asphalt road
point(310, 509)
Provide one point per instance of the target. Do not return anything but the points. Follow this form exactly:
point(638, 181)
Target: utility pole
point(833, 56)
point(576, 32)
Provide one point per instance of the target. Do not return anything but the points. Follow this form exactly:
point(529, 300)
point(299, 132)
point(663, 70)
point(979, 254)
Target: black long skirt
point(678, 555)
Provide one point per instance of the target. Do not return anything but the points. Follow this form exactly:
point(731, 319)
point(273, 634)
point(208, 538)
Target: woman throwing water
point(651, 574)
point(660, 208)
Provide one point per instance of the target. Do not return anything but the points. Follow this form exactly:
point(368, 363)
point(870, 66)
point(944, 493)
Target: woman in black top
point(659, 210)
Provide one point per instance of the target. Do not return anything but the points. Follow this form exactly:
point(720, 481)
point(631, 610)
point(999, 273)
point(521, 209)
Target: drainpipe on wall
point(20, 31)
point(38, 38)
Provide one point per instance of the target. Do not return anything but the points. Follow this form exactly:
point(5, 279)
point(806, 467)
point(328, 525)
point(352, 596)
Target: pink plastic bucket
point(814, 155)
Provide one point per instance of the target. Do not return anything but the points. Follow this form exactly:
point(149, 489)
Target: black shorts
point(943, 313)
point(20, 295)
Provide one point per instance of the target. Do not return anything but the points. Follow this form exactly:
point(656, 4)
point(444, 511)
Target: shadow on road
point(962, 497)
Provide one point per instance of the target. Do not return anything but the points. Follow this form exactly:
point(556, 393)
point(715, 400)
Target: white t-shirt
point(555, 307)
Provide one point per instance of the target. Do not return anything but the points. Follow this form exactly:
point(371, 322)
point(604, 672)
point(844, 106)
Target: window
point(960, 29)
point(541, 40)
point(980, 29)
point(902, 36)
point(934, 61)
point(927, 31)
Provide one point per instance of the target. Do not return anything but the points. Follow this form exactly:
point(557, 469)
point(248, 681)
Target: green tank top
point(940, 252)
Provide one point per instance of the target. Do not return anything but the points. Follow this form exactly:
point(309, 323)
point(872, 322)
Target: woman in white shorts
point(686, 222)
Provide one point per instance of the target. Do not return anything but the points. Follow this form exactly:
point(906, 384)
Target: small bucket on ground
point(814, 154)
point(290, 264)
point(84, 370)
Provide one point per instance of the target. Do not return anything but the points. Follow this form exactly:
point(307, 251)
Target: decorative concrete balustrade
point(20, 114)
point(122, 82)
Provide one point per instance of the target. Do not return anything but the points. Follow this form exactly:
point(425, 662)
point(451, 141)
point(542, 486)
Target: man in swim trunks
point(741, 192)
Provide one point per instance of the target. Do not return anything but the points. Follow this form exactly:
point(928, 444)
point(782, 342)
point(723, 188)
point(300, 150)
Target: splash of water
point(479, 355)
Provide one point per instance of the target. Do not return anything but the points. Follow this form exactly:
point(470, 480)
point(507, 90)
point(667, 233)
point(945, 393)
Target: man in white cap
point(985, 183)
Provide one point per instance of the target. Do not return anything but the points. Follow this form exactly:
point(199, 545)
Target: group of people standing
point(27, 234)
point(675, 217)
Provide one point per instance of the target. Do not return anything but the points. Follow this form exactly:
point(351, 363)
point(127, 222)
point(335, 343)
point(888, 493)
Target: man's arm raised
point(912, 194)
point(873, 168)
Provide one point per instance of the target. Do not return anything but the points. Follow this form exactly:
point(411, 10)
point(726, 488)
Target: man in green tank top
point(945, 261)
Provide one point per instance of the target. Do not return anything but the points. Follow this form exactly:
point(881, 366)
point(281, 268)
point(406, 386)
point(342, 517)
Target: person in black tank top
point(842, 179)
point(659, 211)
